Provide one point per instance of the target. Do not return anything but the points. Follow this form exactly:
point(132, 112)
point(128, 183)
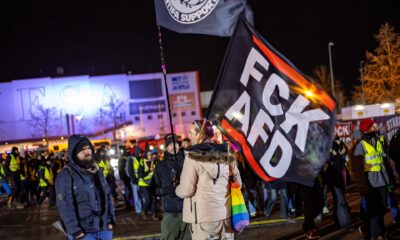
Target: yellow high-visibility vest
point(373, 157)
point(145, 182)
point(136, 165)
point(48, 175)
point(23, 173)
point(2, 173)
point(14, 163)
point(105, 165)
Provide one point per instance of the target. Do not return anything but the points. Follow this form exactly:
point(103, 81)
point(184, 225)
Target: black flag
point(211, 17)
point(281, 120)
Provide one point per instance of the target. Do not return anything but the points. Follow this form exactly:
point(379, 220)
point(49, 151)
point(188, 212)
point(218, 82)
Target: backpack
point(59, 224)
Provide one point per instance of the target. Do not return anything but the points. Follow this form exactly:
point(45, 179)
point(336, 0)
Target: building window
point(137, 118)
point(183, 114)
point(193, 113)
point(149, 117)
point(174, 114)
point(160, 116)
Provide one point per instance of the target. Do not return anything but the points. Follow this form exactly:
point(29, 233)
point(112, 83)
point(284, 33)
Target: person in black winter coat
point(337, 177)
point(394, 150)
point(83, 196)
point(122, 162)
point(166, 178)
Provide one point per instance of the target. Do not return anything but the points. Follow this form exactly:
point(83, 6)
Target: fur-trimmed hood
point(204, 183)
point(211, 152)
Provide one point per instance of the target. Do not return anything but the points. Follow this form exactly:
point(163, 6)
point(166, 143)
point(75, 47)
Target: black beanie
point(168, 139)
point(14, 149)
point(83, 143)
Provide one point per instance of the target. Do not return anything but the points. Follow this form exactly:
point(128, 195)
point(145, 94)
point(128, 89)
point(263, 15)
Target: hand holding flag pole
point(164, 71)
point(201, 134)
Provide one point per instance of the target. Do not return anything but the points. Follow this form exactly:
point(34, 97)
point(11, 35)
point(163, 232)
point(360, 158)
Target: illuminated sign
point(90, 104)
point(146, 107)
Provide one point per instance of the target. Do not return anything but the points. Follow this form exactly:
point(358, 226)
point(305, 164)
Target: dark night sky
point(93, 37)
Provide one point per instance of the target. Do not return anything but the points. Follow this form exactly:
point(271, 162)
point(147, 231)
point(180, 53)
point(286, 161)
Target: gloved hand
point(390, 188)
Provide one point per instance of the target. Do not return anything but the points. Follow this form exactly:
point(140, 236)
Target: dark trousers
point(113, 186)
point(313, 203)
point(148, 205)
point(17, 187)
point(128, 194)
point(49, 192)
point(44, 192)
point(172, 227)
point(341, 213)
point(372, 211)
point(394, 209)
point(33, 190)
point(294, 198)
point(52, 195)
point(255, 195)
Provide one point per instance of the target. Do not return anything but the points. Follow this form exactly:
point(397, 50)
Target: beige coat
point(206, 196)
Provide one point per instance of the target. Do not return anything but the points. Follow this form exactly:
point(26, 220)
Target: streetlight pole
point(362, 79)
point(79, 118)
point(331, 67)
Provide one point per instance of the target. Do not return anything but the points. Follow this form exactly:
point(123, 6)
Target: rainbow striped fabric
point(240, 215)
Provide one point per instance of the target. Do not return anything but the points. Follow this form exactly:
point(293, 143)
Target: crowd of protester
point(158, 185)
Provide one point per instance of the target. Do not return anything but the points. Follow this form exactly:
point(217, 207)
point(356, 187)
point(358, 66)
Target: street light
point(331, 68)
point(362, 79)
point(79, 118)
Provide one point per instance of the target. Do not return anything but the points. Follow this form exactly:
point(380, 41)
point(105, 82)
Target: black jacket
point(394, 148)
point(336, 166)
point(83, 199)
point(121, 169)
point(130, 170)
point(164, 174)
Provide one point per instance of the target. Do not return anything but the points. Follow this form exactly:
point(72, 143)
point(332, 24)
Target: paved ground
point(36, 223)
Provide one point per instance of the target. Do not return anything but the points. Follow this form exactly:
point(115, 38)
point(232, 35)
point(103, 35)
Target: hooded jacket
point(204, 183)
point(83, 198)
point(336, 173)
point(164, 175)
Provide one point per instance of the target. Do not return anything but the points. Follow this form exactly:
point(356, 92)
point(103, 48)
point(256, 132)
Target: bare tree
point(321, 75)
point(381, 72)
point(42, 120)
point(112, 113)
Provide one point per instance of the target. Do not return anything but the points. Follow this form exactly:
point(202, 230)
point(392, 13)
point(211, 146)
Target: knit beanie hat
point(83, 143)
point(365, 124)
point(168, 139)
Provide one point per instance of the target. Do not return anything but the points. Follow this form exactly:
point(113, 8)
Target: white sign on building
point(86, 104)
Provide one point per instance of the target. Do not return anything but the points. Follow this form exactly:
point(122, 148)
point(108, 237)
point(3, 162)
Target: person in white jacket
point(204, 184)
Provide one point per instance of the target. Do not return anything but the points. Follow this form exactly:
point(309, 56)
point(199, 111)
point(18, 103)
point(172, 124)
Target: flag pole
point(164, 72)
point(201, 134)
